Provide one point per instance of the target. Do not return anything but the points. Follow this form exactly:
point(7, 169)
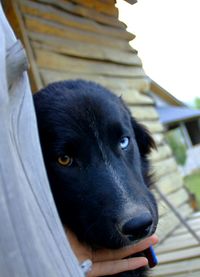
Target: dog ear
point(144, 140)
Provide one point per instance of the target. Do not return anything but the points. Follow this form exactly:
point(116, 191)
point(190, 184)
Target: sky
point(168, 42)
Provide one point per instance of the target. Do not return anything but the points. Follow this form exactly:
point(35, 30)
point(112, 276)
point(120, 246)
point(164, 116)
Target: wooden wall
point(84, 39)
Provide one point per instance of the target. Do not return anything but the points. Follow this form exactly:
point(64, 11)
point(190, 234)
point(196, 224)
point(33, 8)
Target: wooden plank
point(145, 113)
point(179, 255)
point(194, 223)
point(15, 18)
point(36, 24)
point(183, 230)
point(83, 49)
point(50, 60)
point(195, 215)
point(107, 1)
point(32, 239)
point(134, 97)
point(174, 250)
point(170, 182)
point(153, 126)
point(183, 237)
point(113, 83)
point(178, 242)
point(191, 274)
point(169, 222)
point(178, 198)
point(161, 153)
point(85, 12)
point(159, 138)
point(164, 167)
point(64, 18)
point(107, 8)
point(184, 267)
point(194, 220)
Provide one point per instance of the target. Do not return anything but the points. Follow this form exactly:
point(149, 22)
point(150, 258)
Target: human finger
point(116, 266)
point(105, 254)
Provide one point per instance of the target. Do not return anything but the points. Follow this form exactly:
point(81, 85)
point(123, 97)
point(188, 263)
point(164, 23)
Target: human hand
point(110, 262)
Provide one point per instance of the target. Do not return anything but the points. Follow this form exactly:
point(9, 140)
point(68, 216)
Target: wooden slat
point(183, 230)
point(195, 215)
point(36, 24)
point(134, 97)
point(118, 85)
point(191, 274)
point(146, 113)
point(184, 236)
point(195, 223)
point(111, 82)
point(170, 182)
point(168, 222)
point(178, 254)
point(185, 254)
point(17, 22)
point(64, 18)
point(159, 138)
point(194, 220)
point(83, 49)
point(88, 13)
point(161, 153)
point(178, 198)
point(164, 167)
point(178, 242)
point(172, 269)
point(107, 8)
point(153, 126)
point(50, 60)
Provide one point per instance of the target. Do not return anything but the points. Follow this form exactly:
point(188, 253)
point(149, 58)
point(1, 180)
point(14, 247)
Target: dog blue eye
point(124, 142)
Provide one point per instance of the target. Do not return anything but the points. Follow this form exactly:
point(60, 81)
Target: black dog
point(96, 159)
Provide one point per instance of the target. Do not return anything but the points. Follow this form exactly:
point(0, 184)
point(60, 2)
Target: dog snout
point(138, 226)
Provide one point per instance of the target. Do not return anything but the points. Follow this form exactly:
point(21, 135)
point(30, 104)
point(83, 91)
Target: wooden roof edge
point(164, 94)
point(131, 1)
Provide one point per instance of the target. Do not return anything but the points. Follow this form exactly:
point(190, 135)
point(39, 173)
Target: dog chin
point(113, 241)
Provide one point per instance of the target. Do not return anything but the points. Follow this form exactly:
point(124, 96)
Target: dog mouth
point(112, 235)
point(114, 239)
point(149, 253)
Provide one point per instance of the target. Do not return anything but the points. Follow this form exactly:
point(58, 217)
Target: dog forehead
point(93, 106)
point(89, 121)
point(80, 108)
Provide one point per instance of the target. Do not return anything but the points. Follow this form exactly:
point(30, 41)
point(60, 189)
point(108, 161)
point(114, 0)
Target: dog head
point(95, 154)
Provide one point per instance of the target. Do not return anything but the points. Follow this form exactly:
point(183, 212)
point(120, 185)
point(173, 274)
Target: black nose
point(138, 227)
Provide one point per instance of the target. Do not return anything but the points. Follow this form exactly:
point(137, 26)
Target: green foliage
point(177, 146)
point(192, 182)
point(197, 103)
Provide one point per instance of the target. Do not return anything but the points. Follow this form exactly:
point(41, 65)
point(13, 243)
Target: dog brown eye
point(65, 160)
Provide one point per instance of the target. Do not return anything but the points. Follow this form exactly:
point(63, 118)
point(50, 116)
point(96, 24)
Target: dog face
point(95, 156)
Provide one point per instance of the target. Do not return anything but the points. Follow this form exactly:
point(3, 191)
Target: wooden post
point(186, 136)
point(32, 240)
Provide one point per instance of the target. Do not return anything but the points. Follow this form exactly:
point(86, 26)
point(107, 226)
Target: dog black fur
point(95, 154)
